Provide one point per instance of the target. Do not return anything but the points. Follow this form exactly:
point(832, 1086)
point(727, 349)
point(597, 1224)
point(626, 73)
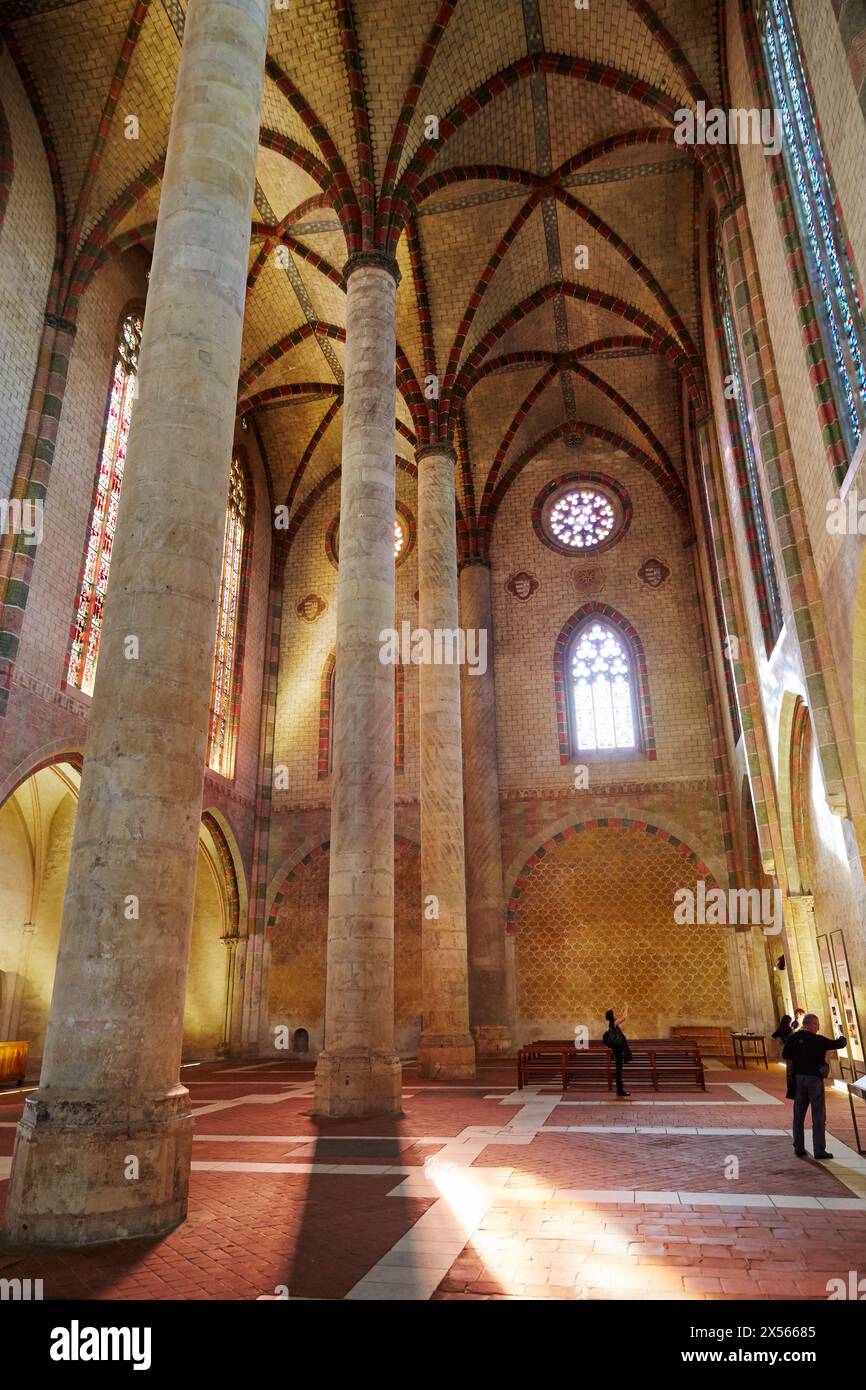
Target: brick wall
point(579, 951)
point(306, 646)
point(526, 631)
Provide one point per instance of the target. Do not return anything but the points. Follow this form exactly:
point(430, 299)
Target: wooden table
point(757, 1044)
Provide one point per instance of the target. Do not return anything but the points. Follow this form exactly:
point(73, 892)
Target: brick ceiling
point(555, 133)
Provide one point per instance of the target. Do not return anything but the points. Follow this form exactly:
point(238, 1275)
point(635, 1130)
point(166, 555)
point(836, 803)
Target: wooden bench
point(713, 1042)
point(656, 1062)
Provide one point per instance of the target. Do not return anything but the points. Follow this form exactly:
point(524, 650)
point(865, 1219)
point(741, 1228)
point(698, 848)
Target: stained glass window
point(87, 628)
point(221, 747)
point(581, 519)
point(602, 690)
point(399, 539)
point(752, 498)
point(827, 254)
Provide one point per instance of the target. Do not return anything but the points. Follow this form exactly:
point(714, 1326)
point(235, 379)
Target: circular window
point(583, 514)
point(404, 536)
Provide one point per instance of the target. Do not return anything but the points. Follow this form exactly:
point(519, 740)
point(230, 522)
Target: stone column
point(446, 1049)
point(103, 1149)
point(489, 1006)
point(359, 1071)
point(231, 1011)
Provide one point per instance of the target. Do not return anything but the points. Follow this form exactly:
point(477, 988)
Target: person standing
point(616, 1040)
point(785, 1031)
point(806, 1049)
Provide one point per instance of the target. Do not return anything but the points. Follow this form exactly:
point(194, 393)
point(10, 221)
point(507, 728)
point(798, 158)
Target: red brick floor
point(343, 1195)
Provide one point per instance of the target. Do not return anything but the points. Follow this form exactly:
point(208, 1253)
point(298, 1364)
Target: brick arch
point(795, 748)
point(228, 872)
point(334, 180)
point(283, 345)
point(401, 206)
point(270, 237)
point(311, 857)
point(493, 495)
point(689, 367)
point(99, 244)
point(661, 464)
point(49, 149)
point(508, 239)
point(321, 487)
point(47, 755)
point(602, 823)
point(592, 925)
point(524, 178)
point(617, 620)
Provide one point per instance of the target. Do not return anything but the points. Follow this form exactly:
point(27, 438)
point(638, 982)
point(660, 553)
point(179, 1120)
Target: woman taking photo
point(617, 1041)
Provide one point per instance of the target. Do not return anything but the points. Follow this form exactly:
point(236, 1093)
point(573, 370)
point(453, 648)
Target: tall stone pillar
point(446, 1049)
point(359, 1072)
point(490, 1009)
point(103, 1149)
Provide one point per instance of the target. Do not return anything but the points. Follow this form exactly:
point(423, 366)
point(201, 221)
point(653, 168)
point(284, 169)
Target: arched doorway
point(36, 825)
point(37, 821)
point(215, 929)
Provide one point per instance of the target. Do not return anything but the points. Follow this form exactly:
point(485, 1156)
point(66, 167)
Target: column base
point(354, 1083)
point(446, 1056)
point(492, 1040)
point(89, 1168)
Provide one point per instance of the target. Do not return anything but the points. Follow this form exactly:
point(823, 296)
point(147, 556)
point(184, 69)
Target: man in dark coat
point(806, 1050)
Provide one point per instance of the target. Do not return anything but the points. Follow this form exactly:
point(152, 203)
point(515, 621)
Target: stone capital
point(438, 449)
point(378, 259)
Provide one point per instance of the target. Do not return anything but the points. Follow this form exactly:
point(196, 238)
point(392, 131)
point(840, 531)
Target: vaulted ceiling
point(555, 133)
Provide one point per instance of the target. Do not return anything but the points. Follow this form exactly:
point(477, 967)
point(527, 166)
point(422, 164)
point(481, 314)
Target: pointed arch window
point(600, 680)
point(827, 254)
point(87, 624)
point(225, 688)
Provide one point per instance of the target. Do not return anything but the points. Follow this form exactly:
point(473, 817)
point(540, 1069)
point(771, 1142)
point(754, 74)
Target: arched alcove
point(592, 915)
point(36, 824)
